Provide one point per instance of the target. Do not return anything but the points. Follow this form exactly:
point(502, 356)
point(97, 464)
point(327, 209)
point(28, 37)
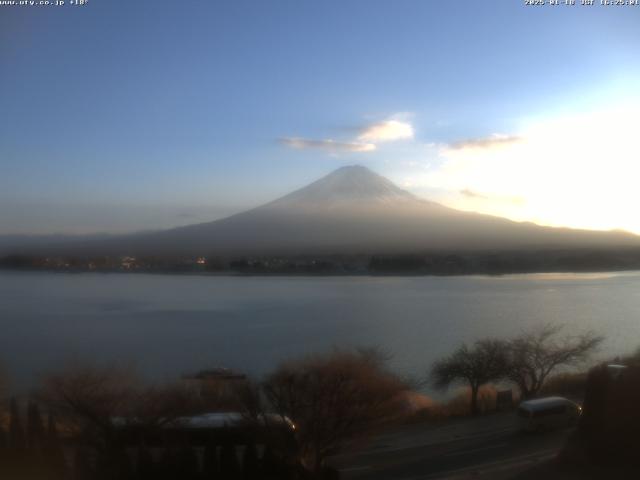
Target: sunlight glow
point(577, 170)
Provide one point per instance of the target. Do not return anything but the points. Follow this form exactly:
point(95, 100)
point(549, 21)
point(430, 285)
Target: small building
point(219, 383)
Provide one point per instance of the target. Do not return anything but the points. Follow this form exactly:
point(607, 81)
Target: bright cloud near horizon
point(579, 170)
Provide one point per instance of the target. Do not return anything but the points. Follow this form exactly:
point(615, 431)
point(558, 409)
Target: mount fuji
point(351, 211)
point(354, 210)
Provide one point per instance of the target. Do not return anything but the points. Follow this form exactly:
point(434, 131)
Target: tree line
point(525, 361)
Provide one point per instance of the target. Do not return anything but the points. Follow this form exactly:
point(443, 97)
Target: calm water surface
point(168, 325)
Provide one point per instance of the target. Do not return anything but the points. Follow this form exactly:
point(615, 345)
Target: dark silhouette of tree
point(536, 354)
point(97, 401)
point(607, 434)
point(250, 470)
point(484, 362)
point(333, 399)
point(90, 397)
point(249, 399)
point(158, 405)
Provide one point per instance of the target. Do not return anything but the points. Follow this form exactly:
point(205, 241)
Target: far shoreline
point(597, 273)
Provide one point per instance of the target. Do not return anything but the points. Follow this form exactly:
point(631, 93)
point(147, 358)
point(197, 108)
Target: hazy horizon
point(207, 215)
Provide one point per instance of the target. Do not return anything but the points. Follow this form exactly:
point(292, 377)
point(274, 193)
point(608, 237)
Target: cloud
point(470, 193)
point(367, 139)
point(387, 131)
point(495, 140)
point(328, 145)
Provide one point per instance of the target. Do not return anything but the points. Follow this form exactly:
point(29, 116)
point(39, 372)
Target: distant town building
point(128, 263)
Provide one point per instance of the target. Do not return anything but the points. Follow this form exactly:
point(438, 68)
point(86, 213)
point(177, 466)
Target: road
point(473, 445)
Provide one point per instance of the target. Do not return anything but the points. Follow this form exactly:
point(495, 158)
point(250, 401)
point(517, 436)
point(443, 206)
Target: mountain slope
point(354, 210)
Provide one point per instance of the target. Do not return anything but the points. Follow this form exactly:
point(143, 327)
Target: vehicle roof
point(228, 419)
point(545, 402)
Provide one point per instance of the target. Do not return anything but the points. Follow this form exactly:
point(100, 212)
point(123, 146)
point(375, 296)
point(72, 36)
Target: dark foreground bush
point(609, 431)
point(572, 385)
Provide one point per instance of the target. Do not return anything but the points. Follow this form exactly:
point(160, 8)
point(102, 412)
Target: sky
point(119, 116)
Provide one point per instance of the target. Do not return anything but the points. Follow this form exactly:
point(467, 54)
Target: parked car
point(547, 413)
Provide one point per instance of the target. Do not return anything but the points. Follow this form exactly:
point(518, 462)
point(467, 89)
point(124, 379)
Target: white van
point(547, 413)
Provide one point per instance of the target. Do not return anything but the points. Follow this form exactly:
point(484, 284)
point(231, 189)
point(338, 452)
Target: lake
point(173, 324)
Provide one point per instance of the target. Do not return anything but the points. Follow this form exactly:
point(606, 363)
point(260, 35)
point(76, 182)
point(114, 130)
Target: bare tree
point(536, 354)
point(94, 398)
point(157, 405)
point(333, 399)
point(485, 362)
point(89, 398)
